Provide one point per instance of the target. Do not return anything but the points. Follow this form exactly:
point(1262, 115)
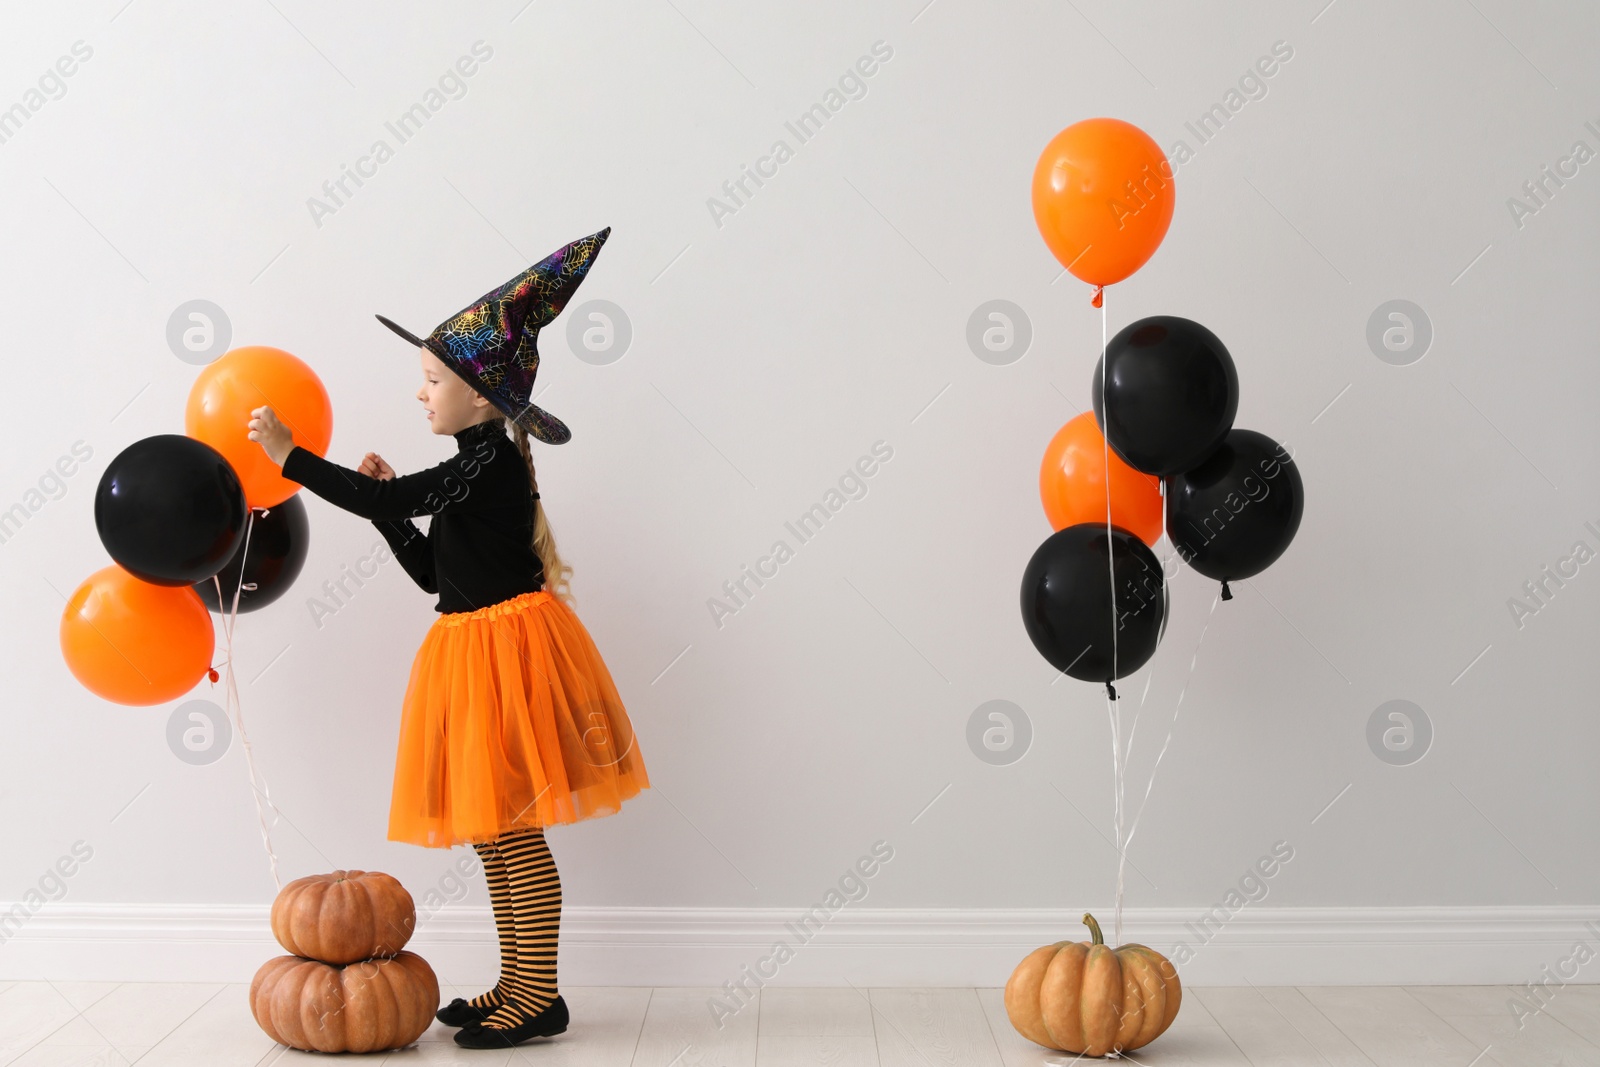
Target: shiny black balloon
point(1234, 514)
point(1174, 392)
point(1066, 601)
point(272, 559)
point(170, 509)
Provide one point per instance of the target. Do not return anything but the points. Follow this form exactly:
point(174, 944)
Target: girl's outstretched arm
point(445, 486)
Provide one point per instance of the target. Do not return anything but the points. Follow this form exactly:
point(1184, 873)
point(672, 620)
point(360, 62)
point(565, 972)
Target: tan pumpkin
point(1088, 998)
point(344, 916)
point(365, 1007)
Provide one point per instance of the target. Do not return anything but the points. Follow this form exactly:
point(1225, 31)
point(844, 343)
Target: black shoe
point(459, 1013)
point(552, 1020)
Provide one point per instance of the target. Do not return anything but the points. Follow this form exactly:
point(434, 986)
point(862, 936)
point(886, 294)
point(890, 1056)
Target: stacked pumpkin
point(348, 986)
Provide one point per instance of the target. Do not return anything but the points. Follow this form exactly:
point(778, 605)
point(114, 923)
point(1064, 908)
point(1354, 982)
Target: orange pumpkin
point(344, 917)
point(1085, 997)
point(366, 1007)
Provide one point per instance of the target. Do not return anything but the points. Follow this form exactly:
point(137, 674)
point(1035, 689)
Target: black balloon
point(170, 509)
point(272, 559)
point(1173, 395)
point(1066, 601)
point(1234, 514)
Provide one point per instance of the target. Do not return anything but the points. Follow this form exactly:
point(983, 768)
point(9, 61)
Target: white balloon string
point(1174, 724)
point(1117, 763)
point(1117, 791)
point(1127, 748)
point(1121, 776)
point(258, 785)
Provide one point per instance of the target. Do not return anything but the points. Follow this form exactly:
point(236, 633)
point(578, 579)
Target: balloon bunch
point(194, 521)
point(187, 519)
point(1160, 453)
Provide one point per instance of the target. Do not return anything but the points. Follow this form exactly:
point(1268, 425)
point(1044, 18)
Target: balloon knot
point(1097, 301)
point(1227, 594)
point(1111, 691)
point(212, 672)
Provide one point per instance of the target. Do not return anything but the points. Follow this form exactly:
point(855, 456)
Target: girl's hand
point(273, 436)
point(373, 466)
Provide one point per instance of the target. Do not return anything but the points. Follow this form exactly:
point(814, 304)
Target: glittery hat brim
point(401, 330)
point(536, 420)
point(539, 423)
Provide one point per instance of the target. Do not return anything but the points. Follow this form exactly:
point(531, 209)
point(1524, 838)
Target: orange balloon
point(1102, 197)
point(241, 380)
point(1072, 484)
point(132, 642)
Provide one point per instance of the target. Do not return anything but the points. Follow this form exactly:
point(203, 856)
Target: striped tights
point(525, 892)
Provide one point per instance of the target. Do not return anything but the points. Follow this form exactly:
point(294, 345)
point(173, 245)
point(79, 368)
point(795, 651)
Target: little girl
point(510, 721)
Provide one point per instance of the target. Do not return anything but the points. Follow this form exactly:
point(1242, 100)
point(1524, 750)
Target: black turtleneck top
point(478, 549)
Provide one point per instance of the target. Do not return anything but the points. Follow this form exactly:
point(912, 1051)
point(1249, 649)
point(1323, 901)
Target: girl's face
point(452, 405)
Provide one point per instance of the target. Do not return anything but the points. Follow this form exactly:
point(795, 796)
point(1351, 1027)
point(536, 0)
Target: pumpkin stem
point(1094, 929)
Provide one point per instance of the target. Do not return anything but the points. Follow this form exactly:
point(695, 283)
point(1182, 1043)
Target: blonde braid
point(544, 540)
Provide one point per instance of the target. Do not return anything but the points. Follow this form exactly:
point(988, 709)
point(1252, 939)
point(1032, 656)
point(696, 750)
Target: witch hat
point(492, 343)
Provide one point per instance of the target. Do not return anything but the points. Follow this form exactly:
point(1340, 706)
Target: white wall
point(771, 350)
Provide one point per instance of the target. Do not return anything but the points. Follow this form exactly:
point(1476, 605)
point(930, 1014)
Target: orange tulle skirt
point(510, 720)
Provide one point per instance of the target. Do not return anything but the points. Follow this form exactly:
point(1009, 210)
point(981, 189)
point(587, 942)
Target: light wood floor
point(57, 1024)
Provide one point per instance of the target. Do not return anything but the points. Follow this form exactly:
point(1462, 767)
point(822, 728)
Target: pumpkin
point(344, 916)
point(1088, 998)
point(366, 1007)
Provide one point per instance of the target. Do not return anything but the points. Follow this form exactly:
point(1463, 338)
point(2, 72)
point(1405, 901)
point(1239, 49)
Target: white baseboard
point(866, 947)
